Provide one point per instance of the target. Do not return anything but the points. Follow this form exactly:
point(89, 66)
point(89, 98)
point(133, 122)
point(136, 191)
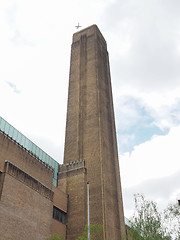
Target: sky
point(143, 39)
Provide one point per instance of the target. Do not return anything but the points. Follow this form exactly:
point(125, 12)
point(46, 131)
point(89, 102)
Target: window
point(59, 215)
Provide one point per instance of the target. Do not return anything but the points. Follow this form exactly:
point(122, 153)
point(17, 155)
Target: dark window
point(59, 215)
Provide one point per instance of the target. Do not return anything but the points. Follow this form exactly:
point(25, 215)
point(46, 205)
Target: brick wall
point(59, 201)
point(13, 152)
point(25, 207)
point(75, 176)
point(27, 195)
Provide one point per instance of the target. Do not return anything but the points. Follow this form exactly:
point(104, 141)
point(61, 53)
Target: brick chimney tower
point(90, 153)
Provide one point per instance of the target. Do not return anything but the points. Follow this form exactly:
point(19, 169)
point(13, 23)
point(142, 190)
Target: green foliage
point(172, 217)
point(54, 237)
point(95, 232)
point(147, 222)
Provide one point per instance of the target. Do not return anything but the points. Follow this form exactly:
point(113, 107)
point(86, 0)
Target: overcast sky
point(143, 38)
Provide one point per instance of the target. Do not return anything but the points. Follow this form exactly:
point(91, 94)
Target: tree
point(147, 222)
point(95, 232)
point(172, 217)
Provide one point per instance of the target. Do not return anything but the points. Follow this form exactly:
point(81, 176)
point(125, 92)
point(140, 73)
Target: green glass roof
point(30, 146)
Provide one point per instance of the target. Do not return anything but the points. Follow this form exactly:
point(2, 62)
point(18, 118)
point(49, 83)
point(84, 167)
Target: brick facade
point(27, 195)
point(19, 156)
point(73, 178)
point(25, 206)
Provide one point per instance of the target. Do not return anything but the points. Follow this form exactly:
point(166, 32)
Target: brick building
point(31, 204)
point(39, 197)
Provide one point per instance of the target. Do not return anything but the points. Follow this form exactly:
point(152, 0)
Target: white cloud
point(156, 158)
point(152, 33)
point(152, 169)
point(133, 107)
point(163, 191)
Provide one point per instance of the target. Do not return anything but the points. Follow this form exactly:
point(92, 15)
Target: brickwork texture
point(91, 135)
point(27, 195)
point(25, 213)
